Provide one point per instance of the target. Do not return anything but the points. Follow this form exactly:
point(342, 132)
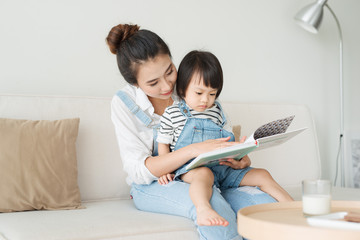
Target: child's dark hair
point(203, 63)
point(133, 47)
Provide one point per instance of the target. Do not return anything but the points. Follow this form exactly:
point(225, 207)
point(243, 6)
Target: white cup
point(316, 197)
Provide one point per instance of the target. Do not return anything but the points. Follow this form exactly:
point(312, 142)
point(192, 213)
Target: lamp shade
point(310, 16)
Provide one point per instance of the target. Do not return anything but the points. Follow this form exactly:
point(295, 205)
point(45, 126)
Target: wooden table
point(286, 221)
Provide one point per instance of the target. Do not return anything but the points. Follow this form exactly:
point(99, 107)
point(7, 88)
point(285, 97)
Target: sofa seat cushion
point(116, 219)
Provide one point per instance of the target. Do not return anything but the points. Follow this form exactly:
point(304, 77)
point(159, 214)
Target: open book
point(268, 135)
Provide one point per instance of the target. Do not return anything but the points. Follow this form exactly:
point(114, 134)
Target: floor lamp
point(310, 19)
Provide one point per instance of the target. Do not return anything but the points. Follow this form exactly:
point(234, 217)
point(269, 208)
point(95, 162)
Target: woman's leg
point(201, 181)
point(173, 198)
point(240, 197)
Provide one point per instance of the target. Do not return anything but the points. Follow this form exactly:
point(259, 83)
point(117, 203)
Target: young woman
point(144, 61)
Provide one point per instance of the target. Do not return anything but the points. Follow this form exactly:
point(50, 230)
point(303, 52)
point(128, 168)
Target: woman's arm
point(135, 143)
point(164, 164)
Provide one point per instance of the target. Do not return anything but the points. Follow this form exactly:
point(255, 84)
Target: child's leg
point(201, 181)
point(263, 179)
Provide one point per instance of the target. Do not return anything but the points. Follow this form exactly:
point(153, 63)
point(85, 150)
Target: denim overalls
point(198, 130)
point(142, 116)
point(174, 198)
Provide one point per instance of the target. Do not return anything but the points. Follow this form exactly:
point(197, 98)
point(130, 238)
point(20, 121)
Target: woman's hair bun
point(118, 34)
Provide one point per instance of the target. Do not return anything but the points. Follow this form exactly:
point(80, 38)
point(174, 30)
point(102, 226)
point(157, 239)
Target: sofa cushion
point(116, 219)
point(38, 165)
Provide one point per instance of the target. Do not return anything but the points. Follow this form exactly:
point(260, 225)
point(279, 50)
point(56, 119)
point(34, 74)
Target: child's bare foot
point(209, 217)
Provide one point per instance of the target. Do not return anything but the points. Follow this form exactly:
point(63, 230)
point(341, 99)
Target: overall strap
point(134, 108)
point(222, 113)
point(184, 109)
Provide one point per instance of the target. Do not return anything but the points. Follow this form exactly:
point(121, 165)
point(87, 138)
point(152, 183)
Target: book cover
point(214, 157)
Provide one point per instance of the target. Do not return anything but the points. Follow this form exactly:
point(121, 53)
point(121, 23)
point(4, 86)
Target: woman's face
point(157, 77)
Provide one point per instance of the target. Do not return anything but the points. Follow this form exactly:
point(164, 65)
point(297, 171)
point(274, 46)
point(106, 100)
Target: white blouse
point(135, 140)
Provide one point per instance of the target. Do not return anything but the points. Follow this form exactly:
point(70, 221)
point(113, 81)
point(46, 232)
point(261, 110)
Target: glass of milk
point(316, 197)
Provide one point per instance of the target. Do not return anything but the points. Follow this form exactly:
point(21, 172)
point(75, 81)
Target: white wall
point(58, 47)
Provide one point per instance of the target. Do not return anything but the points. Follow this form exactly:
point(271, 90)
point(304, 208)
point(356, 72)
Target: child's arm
point(165, 133)
point(163, 148)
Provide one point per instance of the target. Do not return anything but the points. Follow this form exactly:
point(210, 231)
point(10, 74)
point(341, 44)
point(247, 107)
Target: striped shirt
point(172, 122)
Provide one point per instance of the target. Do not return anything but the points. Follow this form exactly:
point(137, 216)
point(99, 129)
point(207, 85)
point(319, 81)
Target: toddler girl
point(199, 117)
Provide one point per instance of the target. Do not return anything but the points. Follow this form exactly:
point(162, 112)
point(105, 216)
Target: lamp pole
point(310, 18)
point(341, 140)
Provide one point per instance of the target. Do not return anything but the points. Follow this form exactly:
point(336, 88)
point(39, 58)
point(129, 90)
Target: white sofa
point(109, 212)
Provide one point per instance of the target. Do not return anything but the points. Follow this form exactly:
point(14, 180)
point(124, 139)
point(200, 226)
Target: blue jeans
point(174, 199)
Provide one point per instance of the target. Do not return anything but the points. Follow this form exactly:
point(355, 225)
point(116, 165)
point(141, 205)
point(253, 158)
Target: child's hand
point(164, 179)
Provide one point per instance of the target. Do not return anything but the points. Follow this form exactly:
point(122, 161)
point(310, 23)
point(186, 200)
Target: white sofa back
point(100, 173)
point(292, 161)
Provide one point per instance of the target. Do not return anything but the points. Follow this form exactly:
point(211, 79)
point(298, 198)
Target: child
point(199, 117)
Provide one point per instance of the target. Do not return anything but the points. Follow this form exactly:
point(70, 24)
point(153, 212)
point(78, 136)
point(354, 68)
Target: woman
point(145, 62)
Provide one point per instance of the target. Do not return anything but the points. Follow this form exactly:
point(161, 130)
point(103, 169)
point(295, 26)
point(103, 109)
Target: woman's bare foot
point(209, 217)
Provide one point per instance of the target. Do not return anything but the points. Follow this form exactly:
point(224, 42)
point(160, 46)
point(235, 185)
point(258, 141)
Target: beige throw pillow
point(38, 167)
point(237, 132)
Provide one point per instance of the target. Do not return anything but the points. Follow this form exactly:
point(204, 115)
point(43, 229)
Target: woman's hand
point(237, 164)
point(210, 145)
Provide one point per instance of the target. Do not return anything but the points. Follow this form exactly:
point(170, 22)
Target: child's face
point(198, 96)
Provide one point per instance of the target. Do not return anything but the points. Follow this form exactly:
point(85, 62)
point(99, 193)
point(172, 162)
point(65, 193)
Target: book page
point(250, 139)
point(277, 139)
point(274, 127)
